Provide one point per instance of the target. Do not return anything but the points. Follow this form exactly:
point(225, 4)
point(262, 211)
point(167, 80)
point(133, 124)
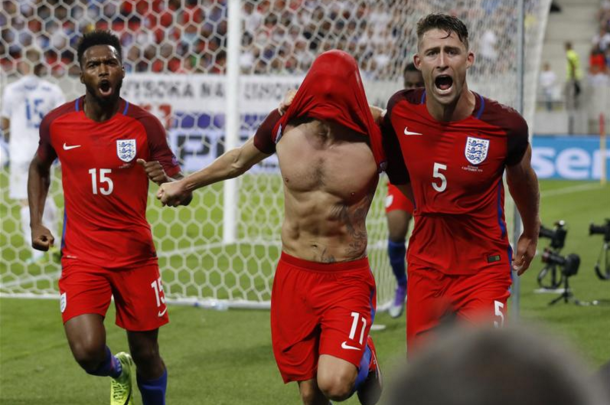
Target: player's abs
point(329, 185)
point(319, 227)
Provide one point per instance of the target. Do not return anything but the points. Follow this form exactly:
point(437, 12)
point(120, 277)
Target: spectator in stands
point(604, 14)
point(602, 39)
point(597, 61)
point(133, 62)
point(488, 53)
point(252, 17)
point(206, 62)
point(220, 63)
point(555, 8)
point(189, 65)
point(548, 81)
point(508, 366)
point(193, 26)
point(573, 77)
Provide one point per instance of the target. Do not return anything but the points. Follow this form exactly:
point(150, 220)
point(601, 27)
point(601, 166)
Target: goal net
point(223, 248)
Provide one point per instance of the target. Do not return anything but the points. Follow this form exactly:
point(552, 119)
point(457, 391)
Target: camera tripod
point(603, 262)
point(566, 295)
point(556, 279)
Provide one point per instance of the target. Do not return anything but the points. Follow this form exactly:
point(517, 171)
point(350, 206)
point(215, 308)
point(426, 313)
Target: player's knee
point(397, 232)
point(337, 387)
point(397, 237)
point(398, 227)
point(309, 394)
point(146, 356)
point(88, 354)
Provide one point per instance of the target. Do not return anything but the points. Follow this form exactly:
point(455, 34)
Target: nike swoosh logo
point(407, 132)
point(161, 313)
point(66, 147)
point(345, 346)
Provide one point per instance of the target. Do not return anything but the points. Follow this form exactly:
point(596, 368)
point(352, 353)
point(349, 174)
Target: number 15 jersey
point(105, 190)
point(455, 170)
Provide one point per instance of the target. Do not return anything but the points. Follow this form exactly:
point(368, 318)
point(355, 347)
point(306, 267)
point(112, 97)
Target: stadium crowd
point(278, 36)
point(599, 57)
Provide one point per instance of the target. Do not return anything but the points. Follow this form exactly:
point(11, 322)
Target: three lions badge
point(126, 149)
point(476, 150)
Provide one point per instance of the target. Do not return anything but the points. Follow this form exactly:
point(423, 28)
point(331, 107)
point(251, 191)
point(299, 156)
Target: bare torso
point(330, 177)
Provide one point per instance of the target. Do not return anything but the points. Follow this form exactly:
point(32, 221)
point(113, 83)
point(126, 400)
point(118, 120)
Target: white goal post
point(211, 70)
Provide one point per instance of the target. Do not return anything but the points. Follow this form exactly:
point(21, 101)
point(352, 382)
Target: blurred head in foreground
point(508, 366)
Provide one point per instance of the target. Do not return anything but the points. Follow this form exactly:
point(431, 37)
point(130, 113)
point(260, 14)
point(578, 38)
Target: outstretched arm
point(155, 172)
point(39, 180)
point(523, 187)
point(232, 164)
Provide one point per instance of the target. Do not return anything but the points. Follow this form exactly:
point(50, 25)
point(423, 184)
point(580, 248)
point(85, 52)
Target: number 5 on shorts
point(498, 307)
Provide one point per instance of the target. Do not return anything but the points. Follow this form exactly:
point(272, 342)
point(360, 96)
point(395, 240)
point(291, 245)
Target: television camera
point(557, 235)
point(569, 267)
point(602, 261)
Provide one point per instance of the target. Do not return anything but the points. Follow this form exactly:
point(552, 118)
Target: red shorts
point(319, 308)
point(138, 293)
point(395, 200)
point(474, 299)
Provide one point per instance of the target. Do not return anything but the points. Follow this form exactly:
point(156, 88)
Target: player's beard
point(105, 101)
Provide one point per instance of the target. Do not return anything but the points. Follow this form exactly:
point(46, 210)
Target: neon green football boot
point(121, 388)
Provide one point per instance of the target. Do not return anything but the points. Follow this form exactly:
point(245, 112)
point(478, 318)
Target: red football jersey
point(455, 170)
point(105, 190)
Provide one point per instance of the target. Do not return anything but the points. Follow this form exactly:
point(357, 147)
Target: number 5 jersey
point(455, 170)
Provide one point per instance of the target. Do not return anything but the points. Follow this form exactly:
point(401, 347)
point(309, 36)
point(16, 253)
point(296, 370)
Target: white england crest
point(126, 149)
point(476, 150)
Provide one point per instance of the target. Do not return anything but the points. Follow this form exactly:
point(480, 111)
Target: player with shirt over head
point(24, 104)
point(323, 298)
point(448, 149)
point(108, 149)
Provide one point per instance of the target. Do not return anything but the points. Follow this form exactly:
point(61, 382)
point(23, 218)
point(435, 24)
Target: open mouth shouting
point(105, 88)
point(443, 84)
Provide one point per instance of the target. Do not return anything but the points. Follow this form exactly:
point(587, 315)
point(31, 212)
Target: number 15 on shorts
point(159, 295)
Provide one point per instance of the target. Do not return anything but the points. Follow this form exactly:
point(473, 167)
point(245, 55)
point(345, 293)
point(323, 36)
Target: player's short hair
point(443, 22)
point(410, 68)
point(94, 38)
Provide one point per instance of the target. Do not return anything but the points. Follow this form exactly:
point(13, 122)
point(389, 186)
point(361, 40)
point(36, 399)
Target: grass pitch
point(226, 357)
